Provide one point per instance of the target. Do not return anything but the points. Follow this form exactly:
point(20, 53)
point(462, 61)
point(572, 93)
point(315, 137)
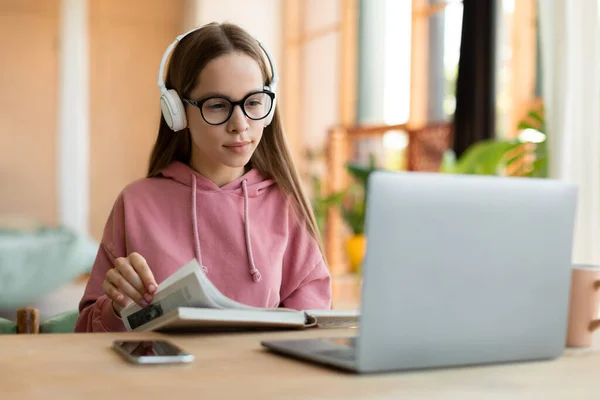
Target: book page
point(217, 298)
point(335, 318)
point(328, 313)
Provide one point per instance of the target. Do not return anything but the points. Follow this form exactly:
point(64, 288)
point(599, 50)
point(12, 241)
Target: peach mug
point(583, 305)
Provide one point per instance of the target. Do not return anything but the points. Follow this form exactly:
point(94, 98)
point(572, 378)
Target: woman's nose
point(238, 121)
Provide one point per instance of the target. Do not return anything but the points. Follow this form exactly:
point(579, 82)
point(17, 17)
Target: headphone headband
point(161, 82)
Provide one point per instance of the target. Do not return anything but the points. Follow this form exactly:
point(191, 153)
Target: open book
point(188, 301)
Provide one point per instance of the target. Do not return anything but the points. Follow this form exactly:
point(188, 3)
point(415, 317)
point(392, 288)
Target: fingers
point(124, 287)
point(140, 265)
point(114, 294)
point(126, 270)
point(130, 280)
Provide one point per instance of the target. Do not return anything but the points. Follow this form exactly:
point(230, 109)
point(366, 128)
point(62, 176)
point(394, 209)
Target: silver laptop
point(459, 270)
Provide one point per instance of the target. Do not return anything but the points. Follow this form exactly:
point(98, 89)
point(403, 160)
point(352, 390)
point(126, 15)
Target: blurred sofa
point(42, 267)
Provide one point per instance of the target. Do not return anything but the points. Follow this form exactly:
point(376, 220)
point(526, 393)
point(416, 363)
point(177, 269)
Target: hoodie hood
point(256, 183)
point(251, 184)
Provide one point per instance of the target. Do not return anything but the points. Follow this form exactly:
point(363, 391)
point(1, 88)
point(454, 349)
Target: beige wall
point(262, 18)
point(310, 77)
point(127, 40)
point(321, 72)
point(28, 77)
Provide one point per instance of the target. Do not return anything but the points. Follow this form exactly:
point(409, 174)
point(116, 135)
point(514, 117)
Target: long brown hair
point(272, 157)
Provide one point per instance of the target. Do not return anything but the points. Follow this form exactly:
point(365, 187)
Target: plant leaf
point(485, 157)
point(536, 116)
point(540, 168)
point(359, 172)
point(333, 199)
point(526, 125)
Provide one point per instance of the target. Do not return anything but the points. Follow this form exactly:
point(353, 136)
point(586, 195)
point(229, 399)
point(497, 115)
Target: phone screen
point(152, 349)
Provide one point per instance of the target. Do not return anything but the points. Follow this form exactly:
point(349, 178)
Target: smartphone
point(151, 352)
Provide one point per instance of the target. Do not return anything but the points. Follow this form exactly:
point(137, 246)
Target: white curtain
point(73, 153)
point(570, 37)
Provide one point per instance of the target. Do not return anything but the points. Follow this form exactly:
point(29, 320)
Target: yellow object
point(355, 249)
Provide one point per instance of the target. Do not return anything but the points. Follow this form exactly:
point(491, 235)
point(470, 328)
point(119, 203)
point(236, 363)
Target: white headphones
point(171, 105)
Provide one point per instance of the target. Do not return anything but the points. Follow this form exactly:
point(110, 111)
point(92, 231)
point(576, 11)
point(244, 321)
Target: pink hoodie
point(244, 234)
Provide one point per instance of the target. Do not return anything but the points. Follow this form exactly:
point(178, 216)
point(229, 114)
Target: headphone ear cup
point(173, 110)
point(269, 118)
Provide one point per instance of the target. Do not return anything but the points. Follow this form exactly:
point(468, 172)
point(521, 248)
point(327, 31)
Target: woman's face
point(232, 143)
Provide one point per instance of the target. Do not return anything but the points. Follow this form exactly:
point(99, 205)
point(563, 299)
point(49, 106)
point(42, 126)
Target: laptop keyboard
point(347, 354)
point(345, 349)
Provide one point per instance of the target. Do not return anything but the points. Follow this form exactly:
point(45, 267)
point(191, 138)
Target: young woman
point(221, 188)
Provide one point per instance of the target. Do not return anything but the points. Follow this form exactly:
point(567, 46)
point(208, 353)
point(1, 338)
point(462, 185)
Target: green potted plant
point(353, 211)
point(497, 156)
point(535, 124)
point(321, 203)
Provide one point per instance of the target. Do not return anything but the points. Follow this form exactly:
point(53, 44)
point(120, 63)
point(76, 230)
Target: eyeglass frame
point(240, 103)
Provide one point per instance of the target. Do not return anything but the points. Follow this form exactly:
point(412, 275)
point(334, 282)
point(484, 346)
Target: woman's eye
point(216, 106)
point(254, 103)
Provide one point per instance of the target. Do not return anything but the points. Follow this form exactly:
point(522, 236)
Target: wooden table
point(234, 365)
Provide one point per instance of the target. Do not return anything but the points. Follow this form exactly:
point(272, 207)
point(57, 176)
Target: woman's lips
point(239, 147)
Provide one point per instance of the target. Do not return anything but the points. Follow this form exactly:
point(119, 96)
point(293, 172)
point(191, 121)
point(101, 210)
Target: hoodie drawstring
point(195, 225)
point(256, 276)
point(253, 270)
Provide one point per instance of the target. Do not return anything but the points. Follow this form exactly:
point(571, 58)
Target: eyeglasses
point(217, 110)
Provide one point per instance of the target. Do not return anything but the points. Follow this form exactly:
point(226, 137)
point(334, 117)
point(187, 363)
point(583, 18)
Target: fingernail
point(151, 288)
point(143, 303)
point(148, 298)
point(120, 297)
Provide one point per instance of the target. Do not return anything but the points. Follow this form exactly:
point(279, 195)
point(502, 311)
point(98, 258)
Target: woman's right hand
point(129, 280)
